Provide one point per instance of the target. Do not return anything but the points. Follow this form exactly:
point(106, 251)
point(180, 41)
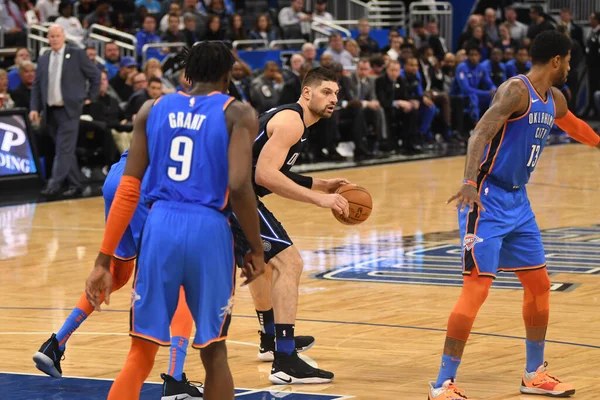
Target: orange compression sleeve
point(122, 209)
point(578, 129)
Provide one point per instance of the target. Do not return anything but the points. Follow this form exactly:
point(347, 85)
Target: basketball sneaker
point(180, 390)
point(48, 358)
point(290, 369)
point(448, 391)
point(542, 383)
point(267, 346)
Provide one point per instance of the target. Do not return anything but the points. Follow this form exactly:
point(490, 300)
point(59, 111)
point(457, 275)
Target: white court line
point(248, 391)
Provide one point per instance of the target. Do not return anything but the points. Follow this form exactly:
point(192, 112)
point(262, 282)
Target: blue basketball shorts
point(128, 246)
point(187, 245)
point(505, 237)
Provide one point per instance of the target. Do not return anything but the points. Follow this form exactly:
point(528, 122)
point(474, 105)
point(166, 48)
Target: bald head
point(56, 37)
point(296, 62)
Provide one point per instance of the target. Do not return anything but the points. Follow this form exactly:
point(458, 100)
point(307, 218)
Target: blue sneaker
point(48, 358)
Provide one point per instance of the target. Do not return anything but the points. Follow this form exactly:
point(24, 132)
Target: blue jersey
point(514, 152)
point(188, 143)
point(471, 79)
point(514, 69)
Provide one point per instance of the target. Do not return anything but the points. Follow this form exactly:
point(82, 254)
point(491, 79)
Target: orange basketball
point(360, 203)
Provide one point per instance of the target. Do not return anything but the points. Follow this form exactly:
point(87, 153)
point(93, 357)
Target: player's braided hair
point(207, 61)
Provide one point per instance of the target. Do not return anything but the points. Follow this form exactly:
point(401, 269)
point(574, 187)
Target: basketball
point(360, 203)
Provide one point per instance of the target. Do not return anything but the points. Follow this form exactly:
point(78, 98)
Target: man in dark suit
point(392, 93)
point(575, 31)
point(239, 85)
point(65, 80)
point(22, 94)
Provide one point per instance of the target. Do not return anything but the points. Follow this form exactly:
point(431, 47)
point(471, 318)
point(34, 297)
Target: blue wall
point(461, 12)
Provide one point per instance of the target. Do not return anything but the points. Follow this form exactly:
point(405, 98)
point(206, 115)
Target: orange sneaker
point(542, 383)
point(448, 391)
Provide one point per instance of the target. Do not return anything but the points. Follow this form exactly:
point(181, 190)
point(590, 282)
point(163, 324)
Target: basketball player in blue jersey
point(497, 226)
point(196, 149)
point(283, 131)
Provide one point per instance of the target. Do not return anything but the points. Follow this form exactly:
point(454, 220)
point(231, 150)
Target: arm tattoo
point(506, 102)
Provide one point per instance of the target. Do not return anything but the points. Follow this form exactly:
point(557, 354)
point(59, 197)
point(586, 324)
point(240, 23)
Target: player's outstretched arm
point(243, 127)
point(121, 210)
point(287, 129)
point(573, 126)
point(512, 98)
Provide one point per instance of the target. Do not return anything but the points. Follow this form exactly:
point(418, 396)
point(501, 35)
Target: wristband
point(470, 182)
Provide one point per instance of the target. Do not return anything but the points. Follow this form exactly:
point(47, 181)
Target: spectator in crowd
point(419, 34)
point(495, 68)
point(137, 100)
point(518, 30)
point(6, 102)
point(292, 20)
point(509, 54)
point(364, 91)
point(461, 55)
point(473, 82)
point(139, 81)
point(352, 47)
point(28, 11)
point(111, 58)
point(436, 42)
point(92, 53)
point(64, 80)
point(310, 53)
point(240, 84)
point(22, 54)
point(237, 31)
point(196, 8)
point(592, 51)
point(448, 68)
point(214, 31)
point(47, 9)
point(122, 82)
point(506, 40)
point(217, 7)
point(520, 65)
point(296, 61)
point(292, 89)
point(326, 60)
point(153, 69)
point(173, 34)
point(189, 30)
point(391, 35)
point(480, 40)
point(85, 8)
point(174, 9)
point(475, 20)
point(424, 103)
point(392, 93)
point(539, 23)
point(491, 29)
point(106, 115)
point(153, 6)
point(575, 31)
point(266, 88)
point(101, 15)
point(146, 36)
point(377, 63)
point(395, 44)
point(321, 12)
point(22, 94)
point(367, 44)
point(70, 24)
point(407, 51)
point(263, 29)
point(572, 83)
point(337, 51)
point(13, 23)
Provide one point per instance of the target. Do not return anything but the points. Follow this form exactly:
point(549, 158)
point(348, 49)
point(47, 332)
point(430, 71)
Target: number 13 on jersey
point(535, 153)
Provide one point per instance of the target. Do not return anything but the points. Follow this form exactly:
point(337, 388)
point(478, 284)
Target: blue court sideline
point(38, 387)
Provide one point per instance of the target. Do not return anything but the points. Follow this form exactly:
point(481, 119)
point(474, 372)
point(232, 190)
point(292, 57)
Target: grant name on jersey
point(541, 118)
point(186, 120)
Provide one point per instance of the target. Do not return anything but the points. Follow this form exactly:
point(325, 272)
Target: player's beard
point(560, 80)
point(322, 113)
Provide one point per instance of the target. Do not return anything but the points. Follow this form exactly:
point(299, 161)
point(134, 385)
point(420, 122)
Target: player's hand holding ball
point(360, 204)
point(332, 185)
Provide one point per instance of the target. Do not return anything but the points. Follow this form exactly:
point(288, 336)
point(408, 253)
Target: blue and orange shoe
point(542, 383)
point(448, 391)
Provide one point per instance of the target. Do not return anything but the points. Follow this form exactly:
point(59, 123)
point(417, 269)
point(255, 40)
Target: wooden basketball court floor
point(376, 296)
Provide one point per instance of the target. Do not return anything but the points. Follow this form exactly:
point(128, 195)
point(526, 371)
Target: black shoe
point(290, 369)
point(267, 346)
point(72, 191)
point(48, 358)
point(180, 390)
point(50, 193)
